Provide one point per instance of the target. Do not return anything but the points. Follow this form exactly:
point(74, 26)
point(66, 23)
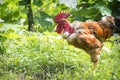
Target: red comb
point(61, 15)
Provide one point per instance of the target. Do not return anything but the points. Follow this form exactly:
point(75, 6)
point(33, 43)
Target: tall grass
point(46, 56)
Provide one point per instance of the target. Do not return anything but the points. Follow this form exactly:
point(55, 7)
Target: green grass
point(46, 56)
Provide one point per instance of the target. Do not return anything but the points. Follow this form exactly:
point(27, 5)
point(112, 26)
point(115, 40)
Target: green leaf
point(2, 1)
point(44, 20)
point(37, 3)
point(1, 25)
point(22, 3)
point(69, 3)
point(108, 0)
point(104, 10)
point(16, 14)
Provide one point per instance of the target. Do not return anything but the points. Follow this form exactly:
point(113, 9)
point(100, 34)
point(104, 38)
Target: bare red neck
point(65, 27)
point(68, 28)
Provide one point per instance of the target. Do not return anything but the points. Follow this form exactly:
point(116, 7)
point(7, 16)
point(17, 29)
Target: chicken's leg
point(94, 59)
point(94, 66)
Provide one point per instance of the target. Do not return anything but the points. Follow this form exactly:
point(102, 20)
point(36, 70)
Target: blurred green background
point(42, 54)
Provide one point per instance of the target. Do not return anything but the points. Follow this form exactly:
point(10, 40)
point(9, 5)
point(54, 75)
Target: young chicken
point(88, 36)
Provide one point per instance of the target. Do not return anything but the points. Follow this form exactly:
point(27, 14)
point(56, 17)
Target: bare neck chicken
point(88, 36)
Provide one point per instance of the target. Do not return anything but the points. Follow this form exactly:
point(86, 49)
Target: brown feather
point(89, 36)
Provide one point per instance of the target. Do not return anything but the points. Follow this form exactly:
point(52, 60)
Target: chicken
point(88, 36)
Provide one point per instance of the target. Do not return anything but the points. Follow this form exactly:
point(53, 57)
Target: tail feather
point(117, 23)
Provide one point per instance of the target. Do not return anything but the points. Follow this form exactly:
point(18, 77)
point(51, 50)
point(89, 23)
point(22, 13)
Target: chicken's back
point(98, 29)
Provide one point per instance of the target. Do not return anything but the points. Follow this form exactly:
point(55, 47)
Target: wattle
point(59, 29)
point(65, 27)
